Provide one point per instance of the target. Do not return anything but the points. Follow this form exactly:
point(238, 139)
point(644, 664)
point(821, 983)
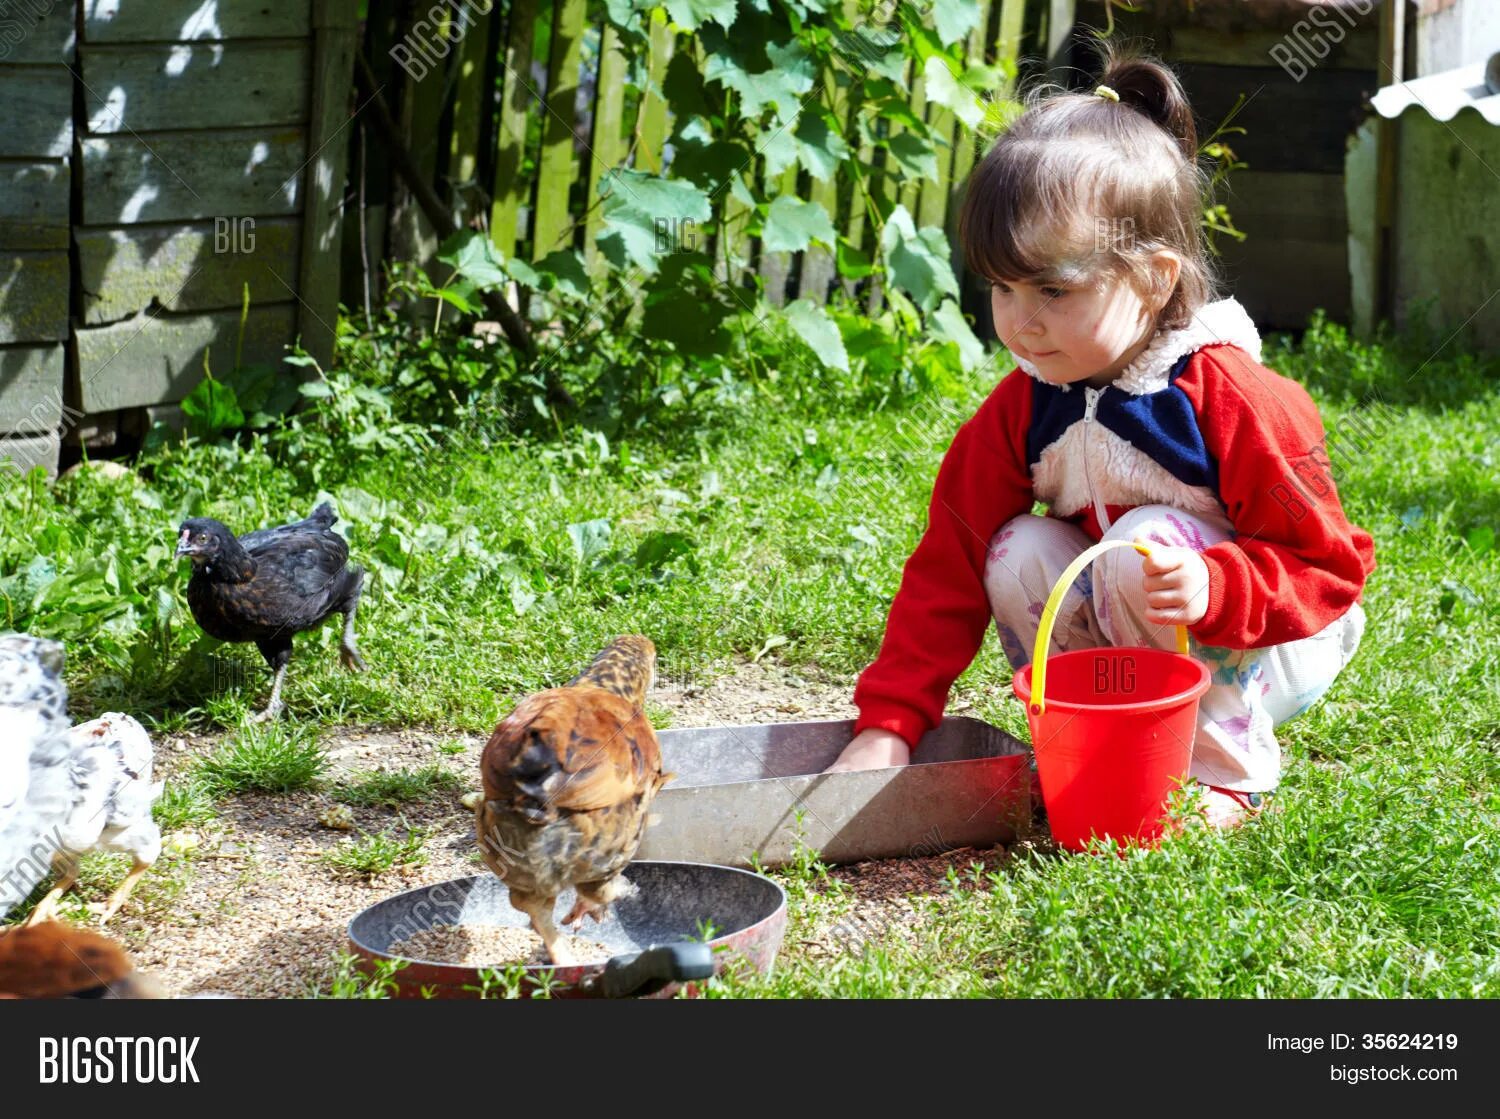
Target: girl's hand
point(1176, 585)
point(872, 748)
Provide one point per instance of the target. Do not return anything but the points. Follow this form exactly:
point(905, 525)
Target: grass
point(372, 855)
point(274, 758)
point(397, 787)
point(781, 532)
point(184, 801)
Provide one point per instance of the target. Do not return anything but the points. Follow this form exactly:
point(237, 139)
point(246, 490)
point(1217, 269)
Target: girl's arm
point(1296, 563)
point(938, 618)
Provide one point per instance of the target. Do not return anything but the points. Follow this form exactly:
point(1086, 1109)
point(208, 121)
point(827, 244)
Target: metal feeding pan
point(757, 790)
point(657, 933)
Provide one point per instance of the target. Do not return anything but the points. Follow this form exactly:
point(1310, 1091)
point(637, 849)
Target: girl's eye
point(1054, 293)
point(1003, 289)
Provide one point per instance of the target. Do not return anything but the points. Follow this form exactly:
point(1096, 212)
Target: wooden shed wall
point(186, 153)
point(1289, 199)
point(35, 145)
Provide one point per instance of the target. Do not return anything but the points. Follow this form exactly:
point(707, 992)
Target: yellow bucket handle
point(1049, 616)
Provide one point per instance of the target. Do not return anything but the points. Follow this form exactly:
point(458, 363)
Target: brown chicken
point(58, 961)
point(569, 777)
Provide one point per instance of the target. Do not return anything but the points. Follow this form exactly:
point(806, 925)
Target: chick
point(269, 585)
point(569, 777)
point(55, 961)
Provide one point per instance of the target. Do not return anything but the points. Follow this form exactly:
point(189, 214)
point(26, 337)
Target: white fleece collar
point(1223, 321)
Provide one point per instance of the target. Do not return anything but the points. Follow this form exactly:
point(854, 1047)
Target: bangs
point(1010, 230)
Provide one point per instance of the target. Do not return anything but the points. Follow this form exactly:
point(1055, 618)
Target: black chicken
point(271, 584)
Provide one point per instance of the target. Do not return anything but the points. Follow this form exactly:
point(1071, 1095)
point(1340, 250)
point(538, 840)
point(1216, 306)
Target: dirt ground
point(254, 912)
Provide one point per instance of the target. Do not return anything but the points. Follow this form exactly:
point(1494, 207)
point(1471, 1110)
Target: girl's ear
point(1166, 267)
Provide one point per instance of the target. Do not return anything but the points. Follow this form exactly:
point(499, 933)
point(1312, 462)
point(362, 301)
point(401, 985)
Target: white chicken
point(66, 791)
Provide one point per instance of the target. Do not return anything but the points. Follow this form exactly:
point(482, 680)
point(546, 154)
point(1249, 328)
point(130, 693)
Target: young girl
point(1139, 410)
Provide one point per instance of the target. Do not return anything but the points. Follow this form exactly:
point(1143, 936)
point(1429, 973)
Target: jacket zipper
point(1090, 405)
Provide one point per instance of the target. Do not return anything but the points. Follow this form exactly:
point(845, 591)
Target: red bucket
point(1112, 729)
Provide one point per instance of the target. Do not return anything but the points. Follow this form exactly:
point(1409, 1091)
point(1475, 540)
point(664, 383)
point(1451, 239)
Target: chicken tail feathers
point(323, 516)
point(626, 668)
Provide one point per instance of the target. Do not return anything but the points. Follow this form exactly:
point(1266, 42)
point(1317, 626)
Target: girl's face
point(1073, 333)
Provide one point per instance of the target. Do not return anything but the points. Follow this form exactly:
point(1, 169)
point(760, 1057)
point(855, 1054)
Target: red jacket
point(1196, 423)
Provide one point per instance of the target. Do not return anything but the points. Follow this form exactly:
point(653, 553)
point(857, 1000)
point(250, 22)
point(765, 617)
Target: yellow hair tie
point(1105, 91)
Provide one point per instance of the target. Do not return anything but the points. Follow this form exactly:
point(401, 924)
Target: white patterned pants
point(1252, 690)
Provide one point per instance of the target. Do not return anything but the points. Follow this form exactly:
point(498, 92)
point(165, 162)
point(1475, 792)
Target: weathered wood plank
point(36, 32)
point(775, 268)
point(27, 453)
point(652, 122)
point(159, 359)
point(818, 263)
point(328, 138)
point(1289, 125)
point(33, 297)
point(914, 186)
point(1357, 50)
point(556, 168)
point(31, 389)
point(149, 86)
point(1287, 205)
point(412, 237)
point(184, 176)
point(472, 93)
point(198, 267)
point(38, 104)
point(1295, 257)
point(132, 21)
point(33, 205)
point(509, 190)
point(608, 143)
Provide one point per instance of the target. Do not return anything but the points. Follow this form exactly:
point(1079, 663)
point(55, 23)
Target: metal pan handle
point(645, 973)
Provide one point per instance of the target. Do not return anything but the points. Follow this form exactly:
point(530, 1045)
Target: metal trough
point(760, 790)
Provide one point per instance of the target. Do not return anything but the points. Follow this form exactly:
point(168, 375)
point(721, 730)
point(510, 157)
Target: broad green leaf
point(779, 145)
point(692, 14)
point(684, 317)
point(590, 539)
point(954, 19)
point(870, 341)
point(565, 267)
point(475, 257)
point(212, 407)
point(944, 89)
point(812, 324)
point(644, 213)
point(704, 161)
point(684, 90)
point(918, 262)
point(854, 263)
point(522, 597)
point(948, 323)
point(791, 225)
point(627, 14)
point(658, 549)
point(784, 85)
point(914, 155)
point(872, 47)
point(820, 148)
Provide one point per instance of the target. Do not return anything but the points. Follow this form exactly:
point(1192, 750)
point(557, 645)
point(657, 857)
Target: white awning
point(1443, 95)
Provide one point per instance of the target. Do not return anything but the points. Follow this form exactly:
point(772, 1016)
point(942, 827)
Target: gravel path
point(254, 911)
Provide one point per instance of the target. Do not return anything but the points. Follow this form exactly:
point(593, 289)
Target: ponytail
point(1150, 88)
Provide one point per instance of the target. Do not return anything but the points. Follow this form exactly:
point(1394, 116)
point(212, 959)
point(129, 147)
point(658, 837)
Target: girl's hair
point(1082, 187)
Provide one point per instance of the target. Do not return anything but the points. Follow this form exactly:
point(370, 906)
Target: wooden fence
point(524, 110)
